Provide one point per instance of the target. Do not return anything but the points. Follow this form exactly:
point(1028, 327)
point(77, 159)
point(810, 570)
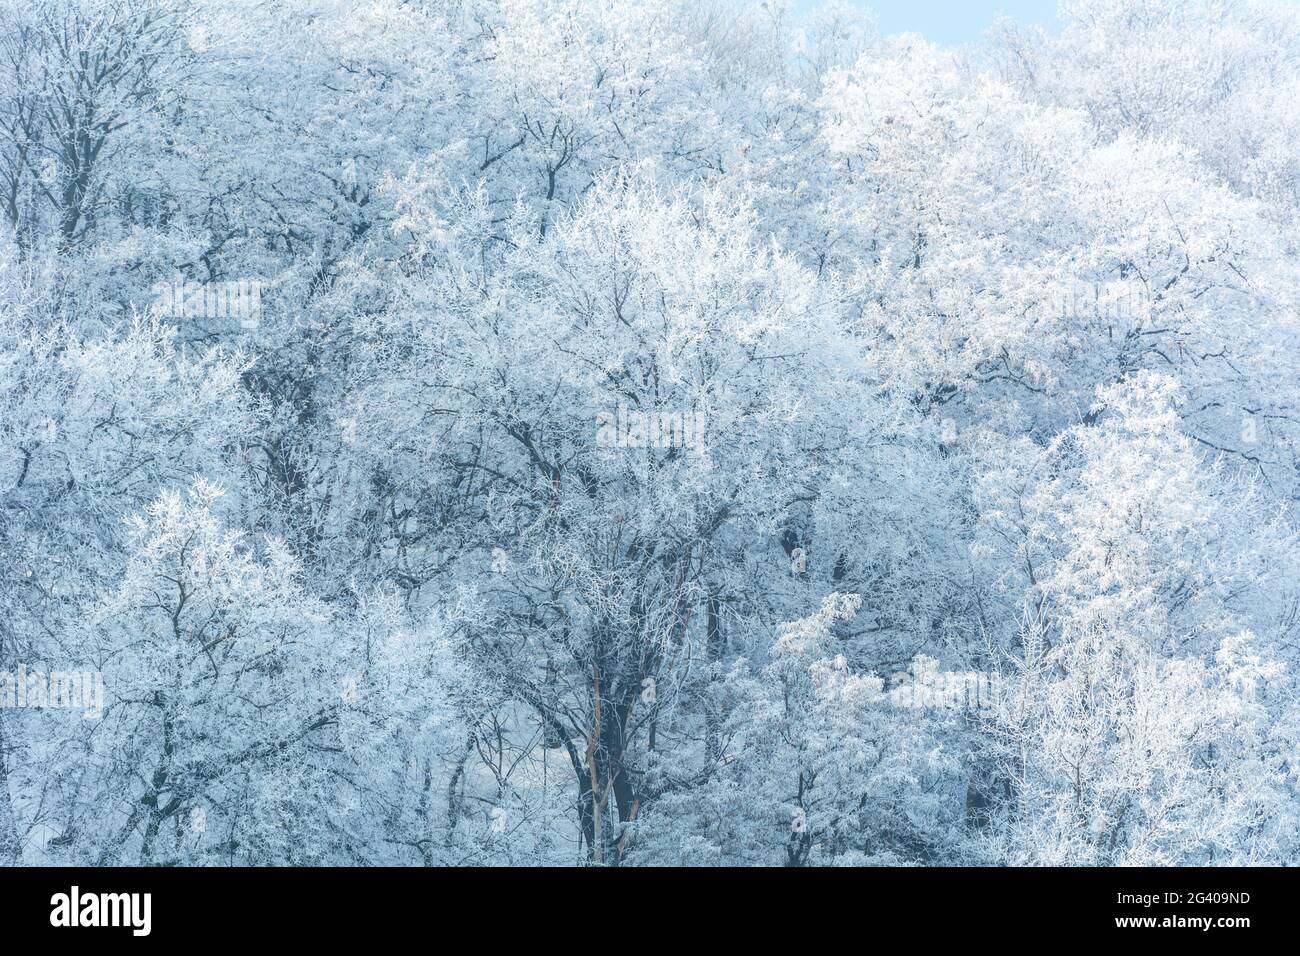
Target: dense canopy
point(642, 432)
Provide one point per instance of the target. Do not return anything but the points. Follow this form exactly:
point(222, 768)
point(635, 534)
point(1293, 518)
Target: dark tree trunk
point(713, 649)
point(8, 826)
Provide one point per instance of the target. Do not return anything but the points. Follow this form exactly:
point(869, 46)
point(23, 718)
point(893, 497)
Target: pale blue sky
point(951, 21)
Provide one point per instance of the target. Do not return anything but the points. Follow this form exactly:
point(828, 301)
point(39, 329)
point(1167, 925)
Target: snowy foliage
point(647, 405)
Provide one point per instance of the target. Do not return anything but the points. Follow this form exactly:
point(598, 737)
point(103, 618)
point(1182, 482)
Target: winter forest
point(647, 432)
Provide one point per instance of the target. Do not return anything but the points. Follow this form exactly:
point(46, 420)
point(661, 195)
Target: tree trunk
point(713, 652)
point(9, 847)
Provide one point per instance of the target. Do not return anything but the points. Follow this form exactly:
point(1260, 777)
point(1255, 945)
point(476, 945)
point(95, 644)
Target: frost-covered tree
point(640, 404)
